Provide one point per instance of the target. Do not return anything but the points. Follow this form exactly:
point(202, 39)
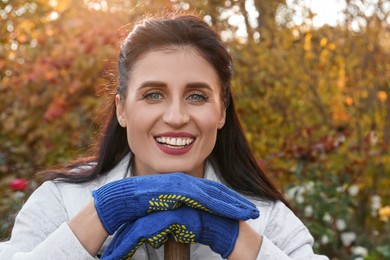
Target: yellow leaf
point(307, 45)
point(349, 101)
point(364, 94)
point(323, 42)
point(331, 46)
point(382, 96)
point(384, 213)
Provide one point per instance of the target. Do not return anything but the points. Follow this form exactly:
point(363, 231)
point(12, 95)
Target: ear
point(120, 111)
point(221, 121)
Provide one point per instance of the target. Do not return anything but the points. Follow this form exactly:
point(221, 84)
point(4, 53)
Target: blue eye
point(198, 97)
point(153, 95)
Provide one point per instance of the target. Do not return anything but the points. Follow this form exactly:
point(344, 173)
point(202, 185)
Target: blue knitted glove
point(184, 225)
point(125, 200)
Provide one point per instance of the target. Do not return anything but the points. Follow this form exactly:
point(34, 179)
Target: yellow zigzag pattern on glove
point(172, 201)
point(131, 253)
point(178, 232)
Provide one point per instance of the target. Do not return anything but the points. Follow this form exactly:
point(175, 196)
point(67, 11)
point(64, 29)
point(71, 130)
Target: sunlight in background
point(330, 12)
point(326, 12)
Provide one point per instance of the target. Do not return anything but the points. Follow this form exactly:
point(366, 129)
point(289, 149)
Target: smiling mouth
point(175, 142)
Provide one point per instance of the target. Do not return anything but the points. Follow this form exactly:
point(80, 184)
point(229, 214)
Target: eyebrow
point(191, 85)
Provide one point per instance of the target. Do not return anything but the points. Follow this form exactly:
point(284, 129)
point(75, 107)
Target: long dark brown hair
point(231, 157)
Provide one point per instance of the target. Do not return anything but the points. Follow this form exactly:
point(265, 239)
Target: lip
point(175, 151)
point(172, 151)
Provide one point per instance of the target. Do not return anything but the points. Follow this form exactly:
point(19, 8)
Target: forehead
point(173, 63)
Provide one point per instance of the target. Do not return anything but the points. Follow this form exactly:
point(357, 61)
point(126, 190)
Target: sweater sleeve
point(41, 230)
point(286, 237)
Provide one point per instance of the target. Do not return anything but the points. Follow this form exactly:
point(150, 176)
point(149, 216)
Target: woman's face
point(172, 111)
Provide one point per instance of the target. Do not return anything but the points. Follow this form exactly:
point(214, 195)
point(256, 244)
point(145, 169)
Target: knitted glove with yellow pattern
point(184, 225)
point(128, 199)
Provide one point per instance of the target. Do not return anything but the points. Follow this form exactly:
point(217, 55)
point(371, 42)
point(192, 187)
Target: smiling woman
point(173, 163)
point(171, 117)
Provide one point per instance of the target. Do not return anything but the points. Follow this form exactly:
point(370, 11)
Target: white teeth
point(175, 141)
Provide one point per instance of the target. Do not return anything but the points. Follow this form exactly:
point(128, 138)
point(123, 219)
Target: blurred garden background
point(312, 88)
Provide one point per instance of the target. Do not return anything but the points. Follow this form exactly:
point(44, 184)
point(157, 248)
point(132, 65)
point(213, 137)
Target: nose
point(176, 115)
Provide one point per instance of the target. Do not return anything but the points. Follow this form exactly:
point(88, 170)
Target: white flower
point(340, 224)
point(359, 251)
point(296, 193)
point(373, 137)
point(342, 188)
point(308, 211)
point(340, 138)
point(324, 239)
point(290, 193)
point(309, 186)
point(300, 199)
point(327, 217)
point(19, 195)
point(353, 190)
point(376, 204)
point(347, 238)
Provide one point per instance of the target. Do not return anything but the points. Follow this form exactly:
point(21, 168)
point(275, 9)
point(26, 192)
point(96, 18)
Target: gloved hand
point(184, 225)
point(128, 199)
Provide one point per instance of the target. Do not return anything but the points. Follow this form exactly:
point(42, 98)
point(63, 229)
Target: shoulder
point(284, 234)
point(47, 192)
point(274, 215)
point(276, 219)
point(51, 199)
point(74, 196)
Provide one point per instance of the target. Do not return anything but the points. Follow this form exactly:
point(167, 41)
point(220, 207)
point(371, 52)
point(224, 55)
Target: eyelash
point(148, 95)
point(203, 96)
point(198, 94)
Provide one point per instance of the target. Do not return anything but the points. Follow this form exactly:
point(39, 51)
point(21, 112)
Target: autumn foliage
point(314, 101)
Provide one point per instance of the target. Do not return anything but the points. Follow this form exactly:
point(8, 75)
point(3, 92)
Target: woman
point(173, 112)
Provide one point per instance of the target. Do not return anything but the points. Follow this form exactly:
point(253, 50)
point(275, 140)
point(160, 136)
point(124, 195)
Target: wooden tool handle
point(176, 251)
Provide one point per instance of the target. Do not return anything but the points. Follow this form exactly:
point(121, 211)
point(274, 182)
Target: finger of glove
point(221, 203)
point(151, 228)
point(177, 224)
point(130, 237)
point(115, 204)
point(187, 181)
point(213, 200)
point(209, 187)
point(183, 224)
point(225, 189)
point(124, 244)
point(219, 233)
point(200, 193)
point(179, 182)
point(228, 210)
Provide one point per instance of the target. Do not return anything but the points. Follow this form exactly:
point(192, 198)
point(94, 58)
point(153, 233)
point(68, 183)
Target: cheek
point(211, 117)
point(138, 124)
point(208, 123)
point(139, 115)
